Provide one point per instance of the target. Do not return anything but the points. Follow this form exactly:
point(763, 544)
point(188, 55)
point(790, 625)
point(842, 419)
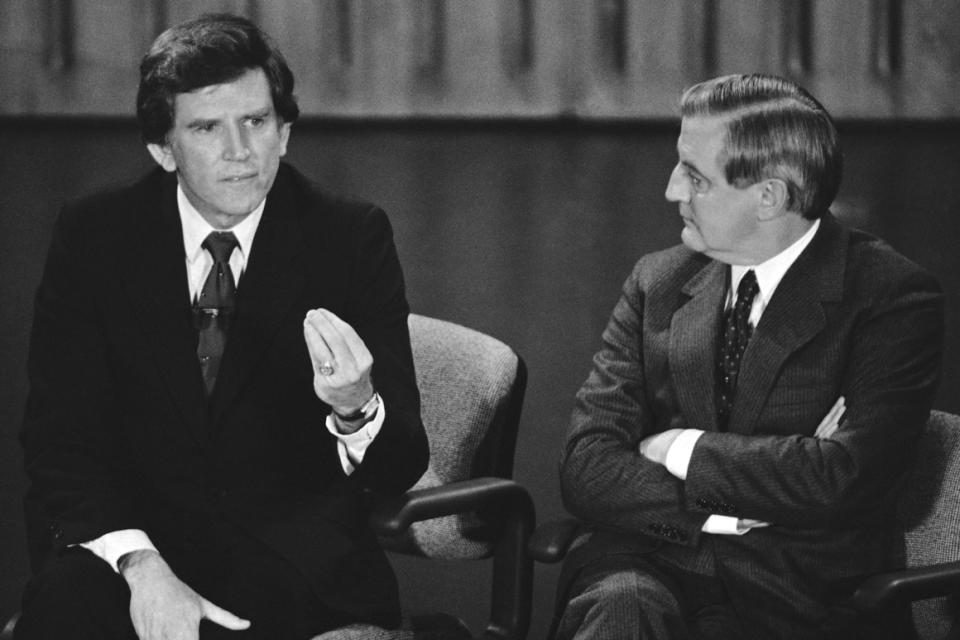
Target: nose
point(677, 190)
point(236, 145)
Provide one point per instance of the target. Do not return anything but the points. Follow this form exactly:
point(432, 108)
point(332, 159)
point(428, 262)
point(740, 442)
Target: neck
point(782, 233)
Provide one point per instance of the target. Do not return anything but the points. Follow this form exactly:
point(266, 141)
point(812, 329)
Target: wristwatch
point(366, 413)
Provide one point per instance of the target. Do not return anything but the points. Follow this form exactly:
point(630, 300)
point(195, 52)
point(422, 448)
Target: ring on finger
point(326, 368)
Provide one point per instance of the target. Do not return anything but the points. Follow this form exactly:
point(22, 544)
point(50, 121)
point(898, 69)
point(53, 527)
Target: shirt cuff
point(729, 526)
point(110, 546)
point(351, 447)
point(680, 451)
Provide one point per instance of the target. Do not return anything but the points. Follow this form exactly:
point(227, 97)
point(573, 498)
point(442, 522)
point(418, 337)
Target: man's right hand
point(831, 422)
point(162, 607)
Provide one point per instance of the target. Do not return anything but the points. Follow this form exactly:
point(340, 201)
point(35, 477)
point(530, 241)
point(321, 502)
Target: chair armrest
point(551, 541)
point(393, 516)
point(876, 593)
point(512, 580)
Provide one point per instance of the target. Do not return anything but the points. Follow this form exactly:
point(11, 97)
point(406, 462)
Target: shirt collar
point(196, 229)
point(771, 272)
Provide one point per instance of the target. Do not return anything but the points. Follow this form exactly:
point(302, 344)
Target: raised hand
point(341, 361)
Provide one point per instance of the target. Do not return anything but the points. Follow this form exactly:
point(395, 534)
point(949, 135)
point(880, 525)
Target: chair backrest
point(929, 513)
point(471, 391)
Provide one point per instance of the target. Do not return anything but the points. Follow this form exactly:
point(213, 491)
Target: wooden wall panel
point(590, 59)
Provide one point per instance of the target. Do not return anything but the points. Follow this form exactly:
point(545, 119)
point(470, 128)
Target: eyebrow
point(693, 167)
point(199, 122)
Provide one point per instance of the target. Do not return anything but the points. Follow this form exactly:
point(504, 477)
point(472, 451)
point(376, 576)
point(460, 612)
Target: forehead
point(246, 94)
point(701, 141)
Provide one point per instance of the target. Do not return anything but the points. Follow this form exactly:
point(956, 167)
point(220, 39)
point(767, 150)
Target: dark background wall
point(521, 148)
point(523, 231)
point(494, 58)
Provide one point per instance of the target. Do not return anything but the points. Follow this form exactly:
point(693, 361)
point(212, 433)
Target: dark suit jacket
point(850, 318)
point(118, 433)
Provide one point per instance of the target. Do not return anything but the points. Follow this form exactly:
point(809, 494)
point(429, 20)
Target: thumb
point(222, 617)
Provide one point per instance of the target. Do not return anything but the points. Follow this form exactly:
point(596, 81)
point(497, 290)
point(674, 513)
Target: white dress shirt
point(350, 447)
point(769, 274)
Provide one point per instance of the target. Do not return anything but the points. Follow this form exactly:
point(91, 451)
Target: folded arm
point(889, 382)
point(604, 479)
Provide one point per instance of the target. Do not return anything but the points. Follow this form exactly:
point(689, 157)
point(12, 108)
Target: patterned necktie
point(736, 334)
point(213, 310)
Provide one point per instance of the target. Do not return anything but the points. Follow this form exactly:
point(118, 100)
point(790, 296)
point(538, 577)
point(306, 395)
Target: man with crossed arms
point(726, 497)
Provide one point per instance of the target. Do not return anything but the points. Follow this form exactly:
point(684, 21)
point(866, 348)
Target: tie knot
point(747, 289)
point(220, 244)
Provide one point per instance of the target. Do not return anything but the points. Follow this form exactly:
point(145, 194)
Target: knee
point(620, 604)
point(74, 591)
point(628, 594)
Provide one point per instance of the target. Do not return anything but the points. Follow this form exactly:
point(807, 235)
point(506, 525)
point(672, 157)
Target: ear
point(774, 198)
point(163, 156)
point(284, 137)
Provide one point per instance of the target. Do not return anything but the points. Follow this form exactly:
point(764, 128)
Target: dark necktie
point(213, 310)
point(736, 334)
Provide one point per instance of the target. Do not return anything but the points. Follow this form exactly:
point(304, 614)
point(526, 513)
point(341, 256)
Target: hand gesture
point(831, 422)
point(341, 361)
point(164, 608)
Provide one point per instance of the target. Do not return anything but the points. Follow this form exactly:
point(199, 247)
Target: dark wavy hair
point(775, 129)
point(212, 49)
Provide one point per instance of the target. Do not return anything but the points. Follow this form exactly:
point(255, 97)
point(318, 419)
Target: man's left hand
point(655, 447)
point(341, 361)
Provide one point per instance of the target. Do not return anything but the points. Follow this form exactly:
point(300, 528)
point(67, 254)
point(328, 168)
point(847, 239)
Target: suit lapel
point(156, 283)
point(272, 282)
point(792, 318)
point(693, 337)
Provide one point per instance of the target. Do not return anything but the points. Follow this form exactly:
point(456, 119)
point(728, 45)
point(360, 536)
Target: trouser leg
point(634, 597)
point(609, 603)
point(238, 573)
point(77, 596)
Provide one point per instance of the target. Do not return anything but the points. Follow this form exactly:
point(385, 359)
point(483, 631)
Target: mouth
point(240, 178)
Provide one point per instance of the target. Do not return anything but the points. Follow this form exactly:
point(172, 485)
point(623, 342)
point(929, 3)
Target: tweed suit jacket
point(119, 435)
point(850, 318)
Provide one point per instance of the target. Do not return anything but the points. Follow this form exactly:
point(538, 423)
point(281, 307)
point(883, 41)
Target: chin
point(692, 240)
point(240, 206)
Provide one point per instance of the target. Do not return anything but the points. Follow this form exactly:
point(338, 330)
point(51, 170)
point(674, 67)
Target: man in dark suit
point(727, 496)
point(220, 376)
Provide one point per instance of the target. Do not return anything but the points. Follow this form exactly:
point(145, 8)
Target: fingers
point(348, 338)
point(341, 361)
point(331, 340)
point(222, 617)
point(320, 353)
point(831, 422)
point(748, 523)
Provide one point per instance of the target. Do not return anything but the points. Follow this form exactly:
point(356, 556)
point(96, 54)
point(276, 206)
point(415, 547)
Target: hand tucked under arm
point(655, 447)
point(162, 606)
point(831, 422)
point(672, 449)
